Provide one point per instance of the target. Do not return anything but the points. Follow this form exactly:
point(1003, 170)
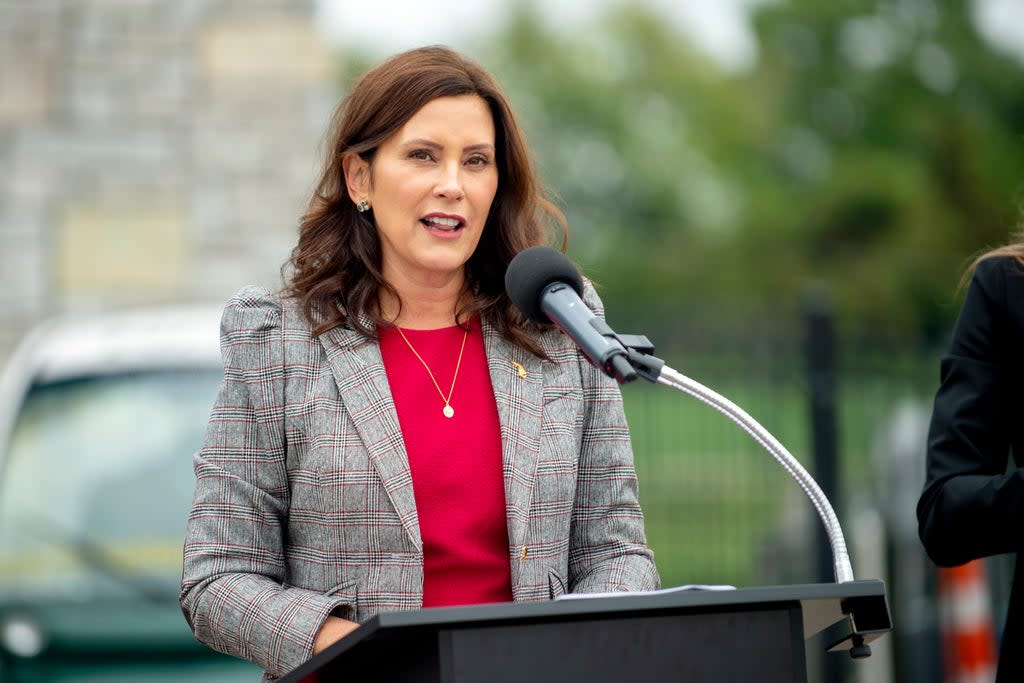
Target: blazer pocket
point(349, 591)
point(556, 585)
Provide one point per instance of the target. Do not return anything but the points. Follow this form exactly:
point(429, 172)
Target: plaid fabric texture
point(304, 503)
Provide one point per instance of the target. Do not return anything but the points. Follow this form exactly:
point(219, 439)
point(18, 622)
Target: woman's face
point(431, 186)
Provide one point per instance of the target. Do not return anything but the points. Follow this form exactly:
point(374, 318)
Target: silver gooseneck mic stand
point(841, 558)
point(638, 350)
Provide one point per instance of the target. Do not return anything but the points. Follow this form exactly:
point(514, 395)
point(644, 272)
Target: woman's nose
point(449, 185)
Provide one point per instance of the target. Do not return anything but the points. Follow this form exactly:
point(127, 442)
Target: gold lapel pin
point(523, 555)
point(520, 370)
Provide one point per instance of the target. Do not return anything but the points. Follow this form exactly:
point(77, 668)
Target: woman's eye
point(421, 154)
point(478, 160)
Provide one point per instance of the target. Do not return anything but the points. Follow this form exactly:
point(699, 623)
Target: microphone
point(546, 287)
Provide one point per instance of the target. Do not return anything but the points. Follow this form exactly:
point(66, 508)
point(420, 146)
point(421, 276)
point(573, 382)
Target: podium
point(691, 635)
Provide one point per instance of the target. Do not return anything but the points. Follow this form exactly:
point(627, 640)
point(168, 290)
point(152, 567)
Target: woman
point(391, 433)
point(972, 505)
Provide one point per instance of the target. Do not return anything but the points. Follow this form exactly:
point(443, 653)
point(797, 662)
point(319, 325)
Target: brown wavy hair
point(336, 266)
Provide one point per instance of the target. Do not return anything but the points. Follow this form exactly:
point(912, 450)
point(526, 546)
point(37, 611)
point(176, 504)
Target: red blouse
point(455, 462)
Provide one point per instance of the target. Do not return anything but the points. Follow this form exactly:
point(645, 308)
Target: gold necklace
point(448, 411)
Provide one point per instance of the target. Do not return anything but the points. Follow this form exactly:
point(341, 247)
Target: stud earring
point(363, 206)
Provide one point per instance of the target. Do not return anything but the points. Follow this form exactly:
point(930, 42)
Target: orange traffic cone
point(968, 633)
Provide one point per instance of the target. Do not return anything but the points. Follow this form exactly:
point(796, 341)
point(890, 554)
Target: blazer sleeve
point(970, 506)
point(233, 590)
point(607, 546)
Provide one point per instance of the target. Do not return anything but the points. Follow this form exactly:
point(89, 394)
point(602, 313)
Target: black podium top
point(853, 613)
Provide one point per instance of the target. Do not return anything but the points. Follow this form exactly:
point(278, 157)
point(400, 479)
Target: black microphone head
point(534, 269)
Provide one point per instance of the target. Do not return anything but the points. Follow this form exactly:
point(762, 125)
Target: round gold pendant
point(448, 411)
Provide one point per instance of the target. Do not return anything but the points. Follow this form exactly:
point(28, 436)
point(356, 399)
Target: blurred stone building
point(152, 150)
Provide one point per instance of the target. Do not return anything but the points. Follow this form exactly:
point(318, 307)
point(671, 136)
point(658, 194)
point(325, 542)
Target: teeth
point(443, 222)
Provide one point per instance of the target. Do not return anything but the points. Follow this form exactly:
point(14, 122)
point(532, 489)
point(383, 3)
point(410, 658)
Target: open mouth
point(442, 223)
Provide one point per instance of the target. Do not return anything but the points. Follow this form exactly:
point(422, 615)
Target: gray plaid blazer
point(304, 503)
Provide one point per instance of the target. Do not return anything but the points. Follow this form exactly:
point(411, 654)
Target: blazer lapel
point(358, 370)
point(518, 382)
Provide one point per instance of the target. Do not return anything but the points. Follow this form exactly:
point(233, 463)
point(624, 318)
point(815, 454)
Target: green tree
point(897, 153)
point(636, 132)
point(875, 146)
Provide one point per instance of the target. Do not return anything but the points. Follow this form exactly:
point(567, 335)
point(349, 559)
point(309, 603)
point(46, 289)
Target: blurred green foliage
point(873, 149)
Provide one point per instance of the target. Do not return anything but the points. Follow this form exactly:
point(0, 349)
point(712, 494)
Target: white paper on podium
point(661, 591)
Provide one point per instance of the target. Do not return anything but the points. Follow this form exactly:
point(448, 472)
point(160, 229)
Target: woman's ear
point(357, 177)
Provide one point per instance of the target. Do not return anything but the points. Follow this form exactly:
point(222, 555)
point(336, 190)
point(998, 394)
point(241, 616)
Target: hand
point(333, 630)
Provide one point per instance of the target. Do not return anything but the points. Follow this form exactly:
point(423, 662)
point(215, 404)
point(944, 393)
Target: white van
point(99, 418)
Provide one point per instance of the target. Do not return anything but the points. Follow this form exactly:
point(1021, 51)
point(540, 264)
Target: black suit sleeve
point(970, 506)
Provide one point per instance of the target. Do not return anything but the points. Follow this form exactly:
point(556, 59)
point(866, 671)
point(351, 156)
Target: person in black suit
point(972, 505)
